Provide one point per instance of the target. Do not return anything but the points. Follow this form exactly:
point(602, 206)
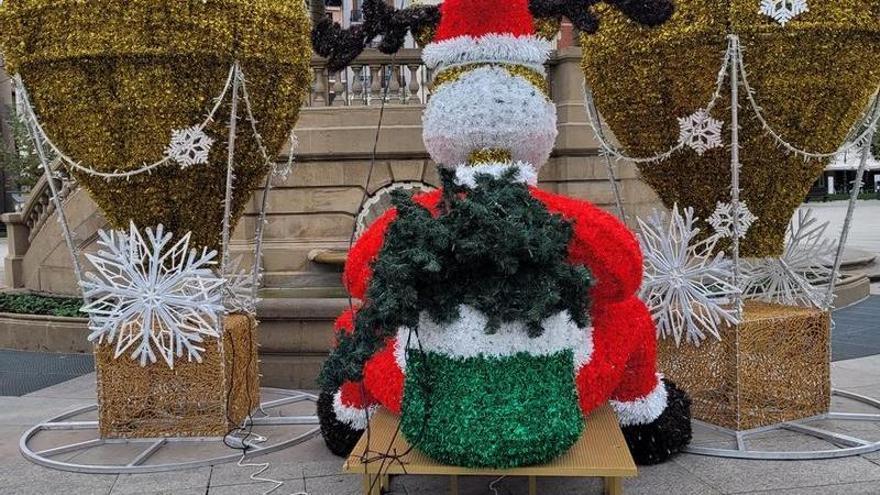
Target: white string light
point(608, 149)
point(260, 228)
point(869, 121)
point(30, 114)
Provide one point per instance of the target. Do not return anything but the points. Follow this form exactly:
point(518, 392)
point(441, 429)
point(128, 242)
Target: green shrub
point(35, 304)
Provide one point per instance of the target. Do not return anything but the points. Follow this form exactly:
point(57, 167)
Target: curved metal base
point(140, 463)
point(847, 445)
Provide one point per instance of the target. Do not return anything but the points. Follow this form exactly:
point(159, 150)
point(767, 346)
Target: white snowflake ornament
point(189, 146)
point(685, 286)
point(728, 222)
point(153, 299)
point(797, 278)
point(700, 131)
point(783, 11)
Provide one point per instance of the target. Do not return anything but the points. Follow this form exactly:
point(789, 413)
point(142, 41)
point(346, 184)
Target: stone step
point(291, 371)
point(298, 326)
point(295, 339)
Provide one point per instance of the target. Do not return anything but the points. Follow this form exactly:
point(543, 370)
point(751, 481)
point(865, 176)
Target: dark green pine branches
point(495, 248)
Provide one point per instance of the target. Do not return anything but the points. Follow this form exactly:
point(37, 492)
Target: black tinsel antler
point(579, 12)
point(341, 46)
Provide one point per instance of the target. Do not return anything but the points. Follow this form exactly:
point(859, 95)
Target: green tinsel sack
point(491, 412)
point(813, 78)
point(110, 80)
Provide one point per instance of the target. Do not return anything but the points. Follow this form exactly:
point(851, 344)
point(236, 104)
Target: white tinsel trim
point(489, 108)
point(355, 417)
point(504, 48)
point(466, 175)
point(645, 410)
point(466, 338)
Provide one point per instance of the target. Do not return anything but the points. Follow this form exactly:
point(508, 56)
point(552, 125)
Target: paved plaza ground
point(310, 469)
point(865, 232)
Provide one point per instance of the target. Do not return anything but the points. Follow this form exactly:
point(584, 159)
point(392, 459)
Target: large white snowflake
point(239, 290)
point(151, 297)
point(783, 11)
point(796, 278)
point(726, 221)
point(686, 286)
point(700, 131)
point(189, 146)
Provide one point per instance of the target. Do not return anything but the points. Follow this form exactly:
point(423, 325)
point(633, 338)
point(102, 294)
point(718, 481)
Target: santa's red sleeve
point(602, 243)
point(358, 267)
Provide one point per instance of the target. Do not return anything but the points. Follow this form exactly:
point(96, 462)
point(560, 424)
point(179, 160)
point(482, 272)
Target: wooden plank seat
point(601, 452)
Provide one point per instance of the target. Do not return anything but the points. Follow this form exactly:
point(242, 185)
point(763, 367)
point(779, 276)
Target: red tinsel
point(480, 17)
point(384, 378)
point(623, 365)
point(355, 395)
point(602, 243)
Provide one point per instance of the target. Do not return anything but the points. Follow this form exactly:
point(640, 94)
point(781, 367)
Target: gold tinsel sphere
point(813, 78)
point(111, 79)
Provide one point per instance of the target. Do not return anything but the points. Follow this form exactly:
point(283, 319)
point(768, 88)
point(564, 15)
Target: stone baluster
point(357, 85)
point(414, 85)
point(319, 90)
point(339, 96)
point(394, 88)
point(375, 83)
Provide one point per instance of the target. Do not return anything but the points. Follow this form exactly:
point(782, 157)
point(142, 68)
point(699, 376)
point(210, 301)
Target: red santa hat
point(475, 31)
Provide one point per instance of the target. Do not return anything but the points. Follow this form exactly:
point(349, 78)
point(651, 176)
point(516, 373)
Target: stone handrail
point(39, 206)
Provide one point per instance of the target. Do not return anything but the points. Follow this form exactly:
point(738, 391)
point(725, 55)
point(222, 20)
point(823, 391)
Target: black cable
point(387, 455)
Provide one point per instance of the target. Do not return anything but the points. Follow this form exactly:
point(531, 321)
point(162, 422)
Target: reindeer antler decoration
point(341, 46)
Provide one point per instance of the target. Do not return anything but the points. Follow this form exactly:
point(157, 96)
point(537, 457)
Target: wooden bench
point(600, 452)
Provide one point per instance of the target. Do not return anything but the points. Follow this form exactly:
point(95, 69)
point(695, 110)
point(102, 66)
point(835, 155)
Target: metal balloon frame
point(733, 69)
point(139, 463)
point(239, 285)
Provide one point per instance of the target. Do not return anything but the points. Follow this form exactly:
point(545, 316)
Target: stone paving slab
point(856, 330)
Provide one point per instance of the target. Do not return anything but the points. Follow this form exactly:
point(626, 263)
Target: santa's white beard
point(489, 108)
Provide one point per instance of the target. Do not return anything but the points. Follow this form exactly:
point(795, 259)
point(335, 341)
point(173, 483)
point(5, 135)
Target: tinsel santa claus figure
point(495, 316)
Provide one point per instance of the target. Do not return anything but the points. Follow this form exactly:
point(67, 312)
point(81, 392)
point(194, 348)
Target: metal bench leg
point(453, 485)
point(533, 485)
point(613, 486)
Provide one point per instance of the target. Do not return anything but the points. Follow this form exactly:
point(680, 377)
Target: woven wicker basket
point(773, 367)
point(192, 400)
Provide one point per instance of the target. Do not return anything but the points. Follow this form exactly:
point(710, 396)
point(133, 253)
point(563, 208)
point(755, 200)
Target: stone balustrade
point(400, 78)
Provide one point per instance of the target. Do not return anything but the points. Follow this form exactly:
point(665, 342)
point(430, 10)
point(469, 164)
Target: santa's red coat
point(623, 363)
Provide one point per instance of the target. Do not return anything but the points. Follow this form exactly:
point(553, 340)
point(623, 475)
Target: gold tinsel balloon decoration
point(813, 78)
point(111, 79)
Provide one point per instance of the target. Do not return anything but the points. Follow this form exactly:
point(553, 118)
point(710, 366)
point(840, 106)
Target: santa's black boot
point(667, 435)
point(340, 437)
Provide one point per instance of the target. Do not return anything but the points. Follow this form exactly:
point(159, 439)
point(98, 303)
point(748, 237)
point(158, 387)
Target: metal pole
point(230, 164)
point(7, 140)
point(854, 196)
point(735, 167)
point(615, 187)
